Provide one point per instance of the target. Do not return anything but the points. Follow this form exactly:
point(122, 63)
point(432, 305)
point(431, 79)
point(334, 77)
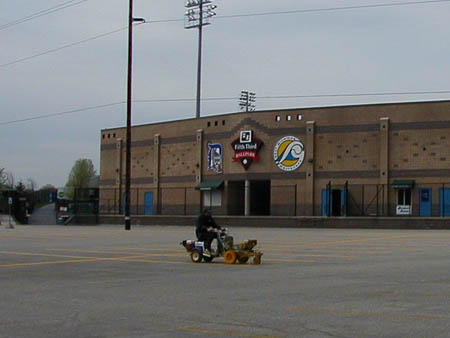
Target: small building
point(360, 160)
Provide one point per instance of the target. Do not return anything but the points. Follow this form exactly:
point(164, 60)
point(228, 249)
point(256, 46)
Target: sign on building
point(289, 153)
point(215, 157)
point(246, 148)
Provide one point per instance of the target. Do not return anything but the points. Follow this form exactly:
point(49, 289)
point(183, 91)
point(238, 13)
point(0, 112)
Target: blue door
point(425, 202)
point(343, 202)
point(148, 201)
point(444, 201)
point(325, 202)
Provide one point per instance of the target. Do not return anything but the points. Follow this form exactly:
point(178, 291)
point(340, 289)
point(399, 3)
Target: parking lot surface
point(103, 281)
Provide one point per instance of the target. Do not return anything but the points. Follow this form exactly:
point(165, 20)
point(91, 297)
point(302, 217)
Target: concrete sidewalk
point(6, 220)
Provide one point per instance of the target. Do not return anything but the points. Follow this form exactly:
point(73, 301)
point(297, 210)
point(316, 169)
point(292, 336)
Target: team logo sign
point(215, 161)
point(289, 153)
point(246, 148)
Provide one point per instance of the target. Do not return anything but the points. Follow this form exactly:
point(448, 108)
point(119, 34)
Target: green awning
point(402, 184)
point(209, 185)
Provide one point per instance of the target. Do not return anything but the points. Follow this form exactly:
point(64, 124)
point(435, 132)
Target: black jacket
point(203, 223)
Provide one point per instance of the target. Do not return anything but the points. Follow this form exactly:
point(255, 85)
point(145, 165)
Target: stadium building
point(362, 160)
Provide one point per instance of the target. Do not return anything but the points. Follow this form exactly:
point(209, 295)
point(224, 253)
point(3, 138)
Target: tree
point(31, 184)
point(2, 177)
point(48, 187)
point(10, 180)
point(6, 179)
point(20, 187)
point(79, 177)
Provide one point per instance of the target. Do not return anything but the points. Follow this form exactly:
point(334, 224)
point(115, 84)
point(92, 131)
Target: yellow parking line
point(371, 314)
point(49, 263)
point(226, 333)
point(347, 241)
point(20, 253)
point(289, 260)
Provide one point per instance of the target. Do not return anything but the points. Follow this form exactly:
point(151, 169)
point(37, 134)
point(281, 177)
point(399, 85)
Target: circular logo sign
point(289, 153)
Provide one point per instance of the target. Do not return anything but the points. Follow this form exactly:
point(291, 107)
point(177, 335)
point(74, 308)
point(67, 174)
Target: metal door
point(326, 202)
point(444, 201)
point(425, 202)
point(148, 201)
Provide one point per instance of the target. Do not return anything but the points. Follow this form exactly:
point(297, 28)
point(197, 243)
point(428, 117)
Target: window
point(212, 198)
point(278, 118)
point(299, 117)
point(404, 196)
point(288, 117)
point(209, 124)
point(404, 201)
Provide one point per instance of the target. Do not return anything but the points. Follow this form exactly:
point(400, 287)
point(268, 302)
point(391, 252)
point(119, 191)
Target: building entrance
point(249, 197)
point(236, 197)
point(260, 198)
point(334, 202)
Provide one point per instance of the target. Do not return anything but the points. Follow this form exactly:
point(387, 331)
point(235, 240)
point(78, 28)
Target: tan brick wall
point(347, 144)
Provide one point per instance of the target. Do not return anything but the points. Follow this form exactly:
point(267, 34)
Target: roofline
point(284, 110)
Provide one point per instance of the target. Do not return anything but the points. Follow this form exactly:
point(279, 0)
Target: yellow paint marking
point(371, 314)
point(41, 254)
point(226, 333)
point(346, 241)
point(288, 260)
point(142, 249)
point(173, 254)
point(298, 254)
point(49, 263)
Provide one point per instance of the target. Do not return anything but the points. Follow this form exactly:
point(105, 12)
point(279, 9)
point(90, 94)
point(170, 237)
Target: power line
point(42, 13)
point(62, 113)
point(80, 110)
point(409, 3)
point(227, 17)
point(62, 47)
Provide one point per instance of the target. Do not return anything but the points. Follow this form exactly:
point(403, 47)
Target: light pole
point(131, 20)
point(247, 101)
point(197, 15)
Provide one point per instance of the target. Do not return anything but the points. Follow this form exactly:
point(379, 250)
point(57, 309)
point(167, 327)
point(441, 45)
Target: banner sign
point(215, 159)
point(246, 148)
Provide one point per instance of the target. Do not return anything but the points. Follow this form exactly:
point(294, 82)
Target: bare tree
point(2, 177)
point(30, 184)
point(10, 181)
point(48, 187)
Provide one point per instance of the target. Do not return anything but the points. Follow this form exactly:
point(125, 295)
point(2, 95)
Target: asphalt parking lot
point(103, 281)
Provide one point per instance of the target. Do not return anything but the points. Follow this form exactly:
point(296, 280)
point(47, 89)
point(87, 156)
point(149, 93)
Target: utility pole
point(247, 101)
point(197, 15)
point(131, 20)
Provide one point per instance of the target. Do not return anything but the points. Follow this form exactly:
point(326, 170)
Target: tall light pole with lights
point(131, 20)
point(247, 101)
point(198, 13)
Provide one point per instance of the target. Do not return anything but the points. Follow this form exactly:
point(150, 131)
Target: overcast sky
point(385, 49)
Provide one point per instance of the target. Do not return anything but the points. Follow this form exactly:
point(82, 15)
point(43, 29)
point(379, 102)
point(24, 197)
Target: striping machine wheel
point(230, 257)
point(196, 256)
point(243, 259)
point(208, 259)
point(257, 260)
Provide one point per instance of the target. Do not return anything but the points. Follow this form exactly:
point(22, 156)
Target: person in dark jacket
point(206, 230)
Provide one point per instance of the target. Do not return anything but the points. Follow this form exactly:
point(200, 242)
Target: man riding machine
point(207, 231)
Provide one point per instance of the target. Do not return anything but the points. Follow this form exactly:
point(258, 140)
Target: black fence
point(333, 200)
point(424, 199)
